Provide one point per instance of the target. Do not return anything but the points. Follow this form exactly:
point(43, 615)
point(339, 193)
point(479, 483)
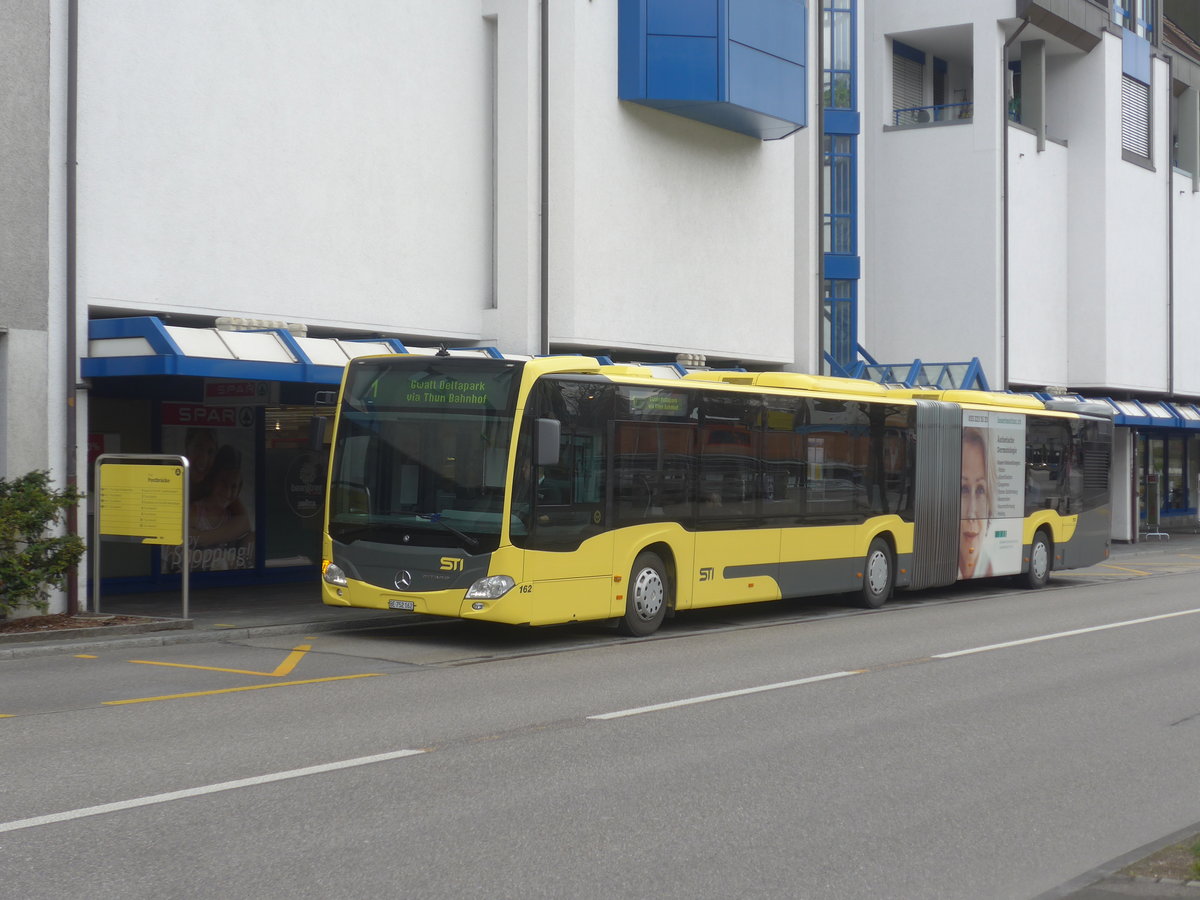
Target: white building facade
point(806, 184)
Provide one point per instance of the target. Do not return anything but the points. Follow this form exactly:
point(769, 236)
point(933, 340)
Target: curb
point(178, 631)
point(151, 624)
point(1104, 874)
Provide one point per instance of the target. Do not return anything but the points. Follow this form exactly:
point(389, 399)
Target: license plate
point(407, 605)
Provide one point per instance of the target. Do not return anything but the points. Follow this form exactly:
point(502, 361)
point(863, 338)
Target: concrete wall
point(667, 217)
point(1136, 254)
point(282, 159)
point(1118, 283)
point(1186, 289)
point(1038, 229)
point(342, 171)
point(25, 239)
point(933, 231)
point(933, 216)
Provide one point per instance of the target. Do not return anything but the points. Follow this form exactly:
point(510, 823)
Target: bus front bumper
point(512, 608)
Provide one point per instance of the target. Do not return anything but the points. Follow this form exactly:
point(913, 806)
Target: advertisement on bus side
point(992, 495)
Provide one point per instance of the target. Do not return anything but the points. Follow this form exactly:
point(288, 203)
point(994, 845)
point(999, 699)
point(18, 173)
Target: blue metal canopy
point(144, 345)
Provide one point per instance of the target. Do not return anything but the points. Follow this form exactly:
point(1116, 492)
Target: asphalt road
point(788, 750)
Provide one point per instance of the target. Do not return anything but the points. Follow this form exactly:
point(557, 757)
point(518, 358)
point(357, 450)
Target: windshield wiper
point(436, 518)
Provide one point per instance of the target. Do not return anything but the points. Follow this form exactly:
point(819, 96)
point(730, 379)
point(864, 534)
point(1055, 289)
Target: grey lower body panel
point(1090, 543)
point(813, 578)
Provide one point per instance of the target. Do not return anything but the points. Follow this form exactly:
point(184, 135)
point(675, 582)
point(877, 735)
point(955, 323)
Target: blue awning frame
point(154, 352)
point(1159, 414)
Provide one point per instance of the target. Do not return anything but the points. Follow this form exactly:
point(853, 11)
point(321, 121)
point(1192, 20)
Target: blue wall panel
point(681, 68)
point(766, 83)
point(776, 27)
point(1135, 56)
point(735, 64)
point(697, 18)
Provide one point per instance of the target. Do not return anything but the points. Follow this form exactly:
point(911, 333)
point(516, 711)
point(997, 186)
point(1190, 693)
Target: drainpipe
point(1170, 235)
point(820, 217)
point(544, 299)
point(72, 437)
point(1004, 203)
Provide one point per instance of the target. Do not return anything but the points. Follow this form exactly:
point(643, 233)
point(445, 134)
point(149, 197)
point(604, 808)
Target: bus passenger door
point(737, 558)
point(569, 547)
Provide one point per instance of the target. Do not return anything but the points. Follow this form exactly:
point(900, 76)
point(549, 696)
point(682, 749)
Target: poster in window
point(219, 444)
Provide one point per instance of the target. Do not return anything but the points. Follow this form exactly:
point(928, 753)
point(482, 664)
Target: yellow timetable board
point(143, 502)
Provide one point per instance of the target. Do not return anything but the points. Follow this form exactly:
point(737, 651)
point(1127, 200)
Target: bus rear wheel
point(1039, 563)
point(647, 596)
point(878, 575)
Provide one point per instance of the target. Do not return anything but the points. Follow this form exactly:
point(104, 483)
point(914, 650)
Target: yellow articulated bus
point(560, 489)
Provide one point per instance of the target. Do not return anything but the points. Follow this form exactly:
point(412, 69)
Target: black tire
point(647, 596)
point(879, 575)
point(1040, 563)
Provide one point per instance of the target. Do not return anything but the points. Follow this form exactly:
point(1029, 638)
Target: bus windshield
point(421, 452)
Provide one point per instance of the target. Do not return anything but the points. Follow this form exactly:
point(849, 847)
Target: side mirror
point(548, 434)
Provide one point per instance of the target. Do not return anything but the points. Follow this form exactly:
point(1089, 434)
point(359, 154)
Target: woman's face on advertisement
point(201, 451)
point(227, 485)
point(974, 504)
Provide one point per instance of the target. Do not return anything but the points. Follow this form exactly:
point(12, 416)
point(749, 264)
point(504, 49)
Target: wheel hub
point(877, 573)
point(648, 594)
point(1041, 560)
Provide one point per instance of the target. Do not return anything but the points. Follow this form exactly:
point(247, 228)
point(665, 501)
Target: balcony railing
point(924, 115)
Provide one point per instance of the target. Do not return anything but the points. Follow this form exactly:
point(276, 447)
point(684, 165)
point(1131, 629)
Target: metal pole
point(185, 568)
point(95, 548)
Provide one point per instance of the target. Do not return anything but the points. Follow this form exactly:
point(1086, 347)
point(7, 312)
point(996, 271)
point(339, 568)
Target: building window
point(908, 85)
point(839, 194)
point(1139, 16)
point(839, 219)
point(838, 325)
point(838, 37)
point(1135, 117)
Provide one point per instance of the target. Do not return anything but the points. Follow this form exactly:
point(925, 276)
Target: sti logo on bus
point(707, 574)
point(451, 564)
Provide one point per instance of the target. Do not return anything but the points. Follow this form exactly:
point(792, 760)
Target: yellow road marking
point(252, 687)
point(1123, 569)
point(3, 716)
point(85, 656)
point(284, 668)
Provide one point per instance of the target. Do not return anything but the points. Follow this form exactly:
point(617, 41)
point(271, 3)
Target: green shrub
point(31, 560)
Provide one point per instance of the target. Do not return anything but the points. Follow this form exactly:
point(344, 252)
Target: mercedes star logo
point(403, 580)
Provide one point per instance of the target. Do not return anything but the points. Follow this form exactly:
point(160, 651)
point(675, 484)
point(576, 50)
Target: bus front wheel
point(646, 597)
point(878, 575)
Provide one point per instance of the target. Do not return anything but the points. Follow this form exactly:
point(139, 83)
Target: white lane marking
point(1063, 634)
point(104, 808)
point(724, 695)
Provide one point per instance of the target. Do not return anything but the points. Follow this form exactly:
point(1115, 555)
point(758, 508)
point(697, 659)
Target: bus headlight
point(333, 573)
point(491, 588)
